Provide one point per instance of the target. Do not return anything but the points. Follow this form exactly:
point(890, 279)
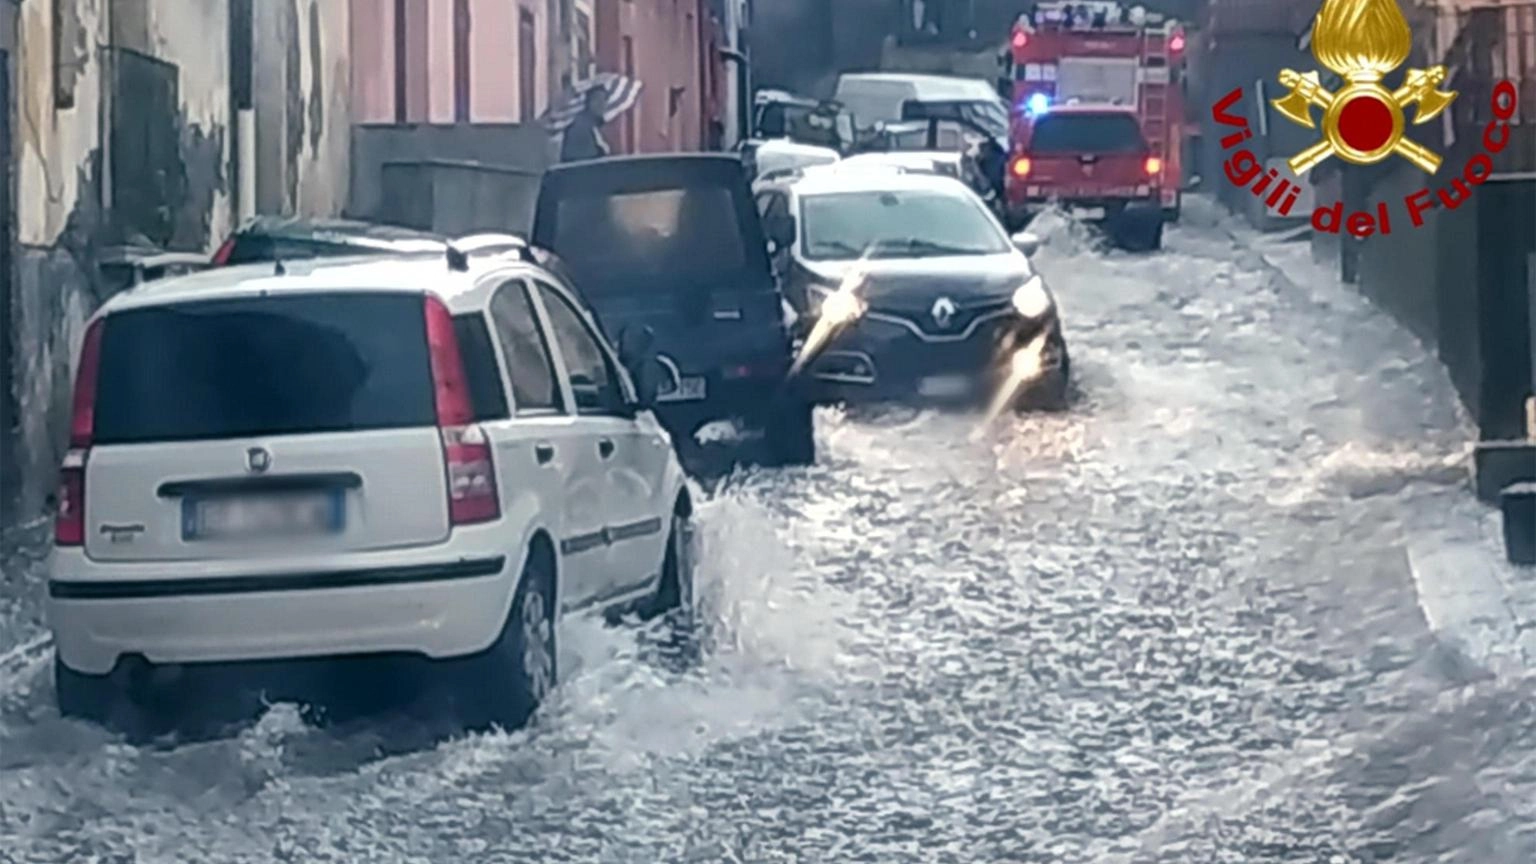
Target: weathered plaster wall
point(325, 71)
point(302, 84)
point(193, 37)
point(65, 182)
point(58, 169)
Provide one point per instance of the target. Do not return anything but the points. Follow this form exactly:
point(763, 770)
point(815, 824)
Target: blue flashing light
point(1038, 103)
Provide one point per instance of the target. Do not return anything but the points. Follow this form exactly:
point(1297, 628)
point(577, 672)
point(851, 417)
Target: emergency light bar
point(1096, 14)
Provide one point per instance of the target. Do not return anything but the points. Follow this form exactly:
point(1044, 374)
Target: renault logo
point(257, 460)
point(943, 311)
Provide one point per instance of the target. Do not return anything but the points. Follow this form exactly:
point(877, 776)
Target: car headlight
point(1031, 299)
point(839, 307)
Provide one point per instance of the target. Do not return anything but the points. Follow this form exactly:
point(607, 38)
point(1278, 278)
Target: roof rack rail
point(492, 242)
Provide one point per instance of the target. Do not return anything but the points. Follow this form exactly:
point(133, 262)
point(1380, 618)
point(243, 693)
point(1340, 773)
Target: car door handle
point(545, 453)
point(605, 447)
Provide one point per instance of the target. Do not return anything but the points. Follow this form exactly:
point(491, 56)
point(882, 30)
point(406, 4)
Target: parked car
point(779, 114)
point(673, 243)
point(779, 155)
point(123, 267)
point(923, 293)
point(284, 475)
point(273, 238)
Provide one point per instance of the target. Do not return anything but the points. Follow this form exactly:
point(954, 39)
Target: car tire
point(106, 702)
point(1054, 391)
point(791, 434)
point(674, 599)
point(80, 696)
point(505, 685)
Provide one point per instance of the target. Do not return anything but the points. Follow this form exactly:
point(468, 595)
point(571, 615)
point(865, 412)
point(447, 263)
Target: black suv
point(674, 243)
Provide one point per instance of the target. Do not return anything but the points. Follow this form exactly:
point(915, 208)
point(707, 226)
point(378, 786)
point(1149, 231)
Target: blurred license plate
point(944, 385)
point(1088, 212)
point(236, 518)
point(689, 388)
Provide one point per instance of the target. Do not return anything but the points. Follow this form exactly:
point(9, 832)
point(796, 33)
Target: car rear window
point(264, 366)
point(667, 231)
point(1086, 133)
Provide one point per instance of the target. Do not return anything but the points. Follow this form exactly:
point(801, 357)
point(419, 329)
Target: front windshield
point(897, 224)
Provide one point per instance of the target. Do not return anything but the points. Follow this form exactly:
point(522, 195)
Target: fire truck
point(1098, 117)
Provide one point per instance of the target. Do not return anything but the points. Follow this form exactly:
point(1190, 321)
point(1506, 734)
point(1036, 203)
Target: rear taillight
point(472, 493)
point(221, 257)
point(1154, 166)
point(1021, 166)
point(69, 521)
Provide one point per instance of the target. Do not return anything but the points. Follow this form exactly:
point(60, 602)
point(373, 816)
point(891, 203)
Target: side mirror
point(781, 231)
point(1027, 242)
point(637, 351)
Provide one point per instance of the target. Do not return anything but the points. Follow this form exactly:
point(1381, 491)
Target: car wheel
point(1054, 391)
point(674, 597)
point(514, 676)
point(81, 697)
point(1154, 236)
point(105, 701)
point(791, 434)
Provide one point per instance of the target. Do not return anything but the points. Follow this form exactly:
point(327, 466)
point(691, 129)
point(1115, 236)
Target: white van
point(877, 97)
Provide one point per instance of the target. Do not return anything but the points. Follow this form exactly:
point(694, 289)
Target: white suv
point(434, 457)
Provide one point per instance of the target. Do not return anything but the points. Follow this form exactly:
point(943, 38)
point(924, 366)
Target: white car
point(436, 456)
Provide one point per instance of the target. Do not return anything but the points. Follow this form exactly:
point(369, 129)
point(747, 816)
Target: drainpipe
point(245, 168)
point(743, 106)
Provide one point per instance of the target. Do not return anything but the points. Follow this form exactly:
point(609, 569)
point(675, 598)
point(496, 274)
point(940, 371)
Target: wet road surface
point(1175, 624)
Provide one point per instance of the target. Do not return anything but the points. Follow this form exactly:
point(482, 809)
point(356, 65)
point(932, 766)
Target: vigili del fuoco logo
point(1363, 121)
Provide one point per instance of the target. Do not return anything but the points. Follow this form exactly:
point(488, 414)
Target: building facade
point(459, 61)
point(151, 123)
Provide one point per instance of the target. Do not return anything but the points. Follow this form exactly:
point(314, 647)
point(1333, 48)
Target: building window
point(461, 65)
point(400, 62)
point(527, 64)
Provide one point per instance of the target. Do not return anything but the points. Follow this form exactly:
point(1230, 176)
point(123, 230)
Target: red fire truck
point(1098, 117)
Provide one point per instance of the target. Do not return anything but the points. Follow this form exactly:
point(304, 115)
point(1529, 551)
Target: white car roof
point(874, 178)
point(407, 274)
point(782, 155)
point(904, 158)
point(928, 86)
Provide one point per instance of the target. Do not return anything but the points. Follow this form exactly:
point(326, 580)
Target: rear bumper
point(430, 602)
point(1024, 201)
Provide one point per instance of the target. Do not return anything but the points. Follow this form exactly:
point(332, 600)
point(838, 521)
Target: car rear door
point(618, 458)
point(542, 445)
point(1087, 154)
point(674, 243)
point(309, 416)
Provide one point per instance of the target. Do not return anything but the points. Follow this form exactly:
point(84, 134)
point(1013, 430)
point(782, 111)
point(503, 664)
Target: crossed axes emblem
point(1420, 88)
